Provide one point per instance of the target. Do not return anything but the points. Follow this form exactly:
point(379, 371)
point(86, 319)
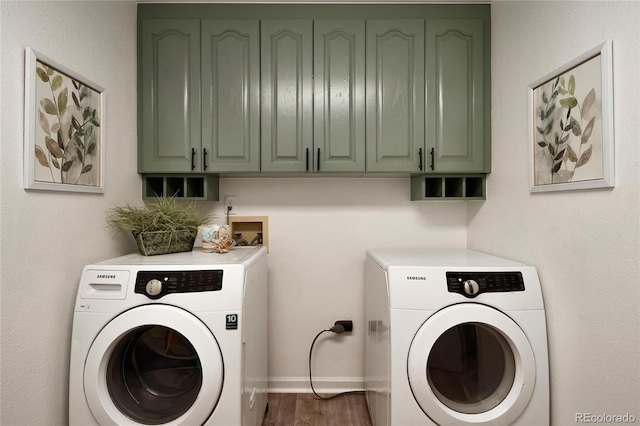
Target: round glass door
point(470, 363)
point(151, 365)
point(154, 375)
point(471, 368)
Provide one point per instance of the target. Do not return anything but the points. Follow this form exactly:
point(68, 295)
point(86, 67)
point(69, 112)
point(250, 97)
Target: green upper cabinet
point(313, 96)
point(339, 96)
point(330, 89)
point(395, 95)
point(455, 96)
point(230, 95)
point(169, 95)
point(287, 103)
point(200, 92)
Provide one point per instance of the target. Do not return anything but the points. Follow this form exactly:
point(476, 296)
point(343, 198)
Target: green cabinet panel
point(455, 95)
point(169, 95)
point(395, 95)
point(339, 96)
point(287, 103)
point(230, 95)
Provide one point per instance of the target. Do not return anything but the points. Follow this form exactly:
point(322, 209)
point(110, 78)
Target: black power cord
point(338, 329)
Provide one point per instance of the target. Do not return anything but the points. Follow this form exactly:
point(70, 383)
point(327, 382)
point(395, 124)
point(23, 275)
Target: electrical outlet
point(347, 324)
point(230, 204)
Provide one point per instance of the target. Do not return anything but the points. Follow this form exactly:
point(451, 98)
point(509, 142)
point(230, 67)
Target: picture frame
point(63, 128)
point(571, 133)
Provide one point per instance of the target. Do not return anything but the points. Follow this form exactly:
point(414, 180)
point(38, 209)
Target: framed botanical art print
point(64, 128)
point(571, 125)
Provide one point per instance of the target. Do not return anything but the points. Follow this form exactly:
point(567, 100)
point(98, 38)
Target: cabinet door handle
point(420, 159)
point(193, 158)
point(432, 157)
point(318, 161)
point(307, 160)
point(204, 158)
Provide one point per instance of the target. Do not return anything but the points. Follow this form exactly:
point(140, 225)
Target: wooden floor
point(287, 409)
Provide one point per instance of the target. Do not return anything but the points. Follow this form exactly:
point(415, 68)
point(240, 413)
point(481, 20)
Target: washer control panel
point(471, 284)
point(155, 284)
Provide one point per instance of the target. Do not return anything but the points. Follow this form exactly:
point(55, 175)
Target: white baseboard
point(320, 384)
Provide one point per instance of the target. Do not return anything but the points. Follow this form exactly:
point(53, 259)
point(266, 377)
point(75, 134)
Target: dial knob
point(154, 287)
point(471, 287)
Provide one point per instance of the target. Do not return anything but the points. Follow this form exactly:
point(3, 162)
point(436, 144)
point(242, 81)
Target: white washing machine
point(171, 339)
point(455, 337)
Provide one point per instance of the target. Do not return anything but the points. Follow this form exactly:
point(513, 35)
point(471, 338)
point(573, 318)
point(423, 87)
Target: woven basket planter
point(163, 242)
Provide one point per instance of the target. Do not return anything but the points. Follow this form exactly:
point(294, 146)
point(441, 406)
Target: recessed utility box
point(254, 230)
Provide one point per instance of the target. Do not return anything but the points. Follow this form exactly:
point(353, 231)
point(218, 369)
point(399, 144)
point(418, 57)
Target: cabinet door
point(455, 96)
point(339, 102)
point(170, 95)
point(395, 95)
point(286, 85)
point(230, 95)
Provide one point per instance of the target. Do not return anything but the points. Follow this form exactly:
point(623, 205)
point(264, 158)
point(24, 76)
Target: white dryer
point(455, 337)
point(171, 339)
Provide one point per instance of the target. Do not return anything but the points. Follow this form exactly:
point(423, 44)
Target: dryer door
point(154, 364)
point(471, 364)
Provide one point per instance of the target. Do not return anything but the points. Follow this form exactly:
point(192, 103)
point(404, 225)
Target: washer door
point(154, 364)
point(471, 364)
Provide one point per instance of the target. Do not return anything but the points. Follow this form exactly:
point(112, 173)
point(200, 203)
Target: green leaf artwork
point(567, 130)
point(68, 115)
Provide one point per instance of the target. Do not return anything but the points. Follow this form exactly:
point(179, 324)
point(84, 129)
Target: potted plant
point(161, 226)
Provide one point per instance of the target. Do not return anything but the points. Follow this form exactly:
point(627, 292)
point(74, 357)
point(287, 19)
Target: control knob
point(154, 287)
point(471, 287)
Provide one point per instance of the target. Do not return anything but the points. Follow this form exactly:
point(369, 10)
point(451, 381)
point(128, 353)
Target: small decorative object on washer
point(164, 242)
point(160, 227)
point(216, 238)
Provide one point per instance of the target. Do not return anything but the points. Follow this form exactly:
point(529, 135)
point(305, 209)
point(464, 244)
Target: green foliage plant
point(163, 214)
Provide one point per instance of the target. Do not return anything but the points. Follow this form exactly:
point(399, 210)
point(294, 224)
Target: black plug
point(338, 329)
point(347, 325)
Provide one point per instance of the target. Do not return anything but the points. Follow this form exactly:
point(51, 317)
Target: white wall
point(319, 230)
point(47, 237)
point(585, 244)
